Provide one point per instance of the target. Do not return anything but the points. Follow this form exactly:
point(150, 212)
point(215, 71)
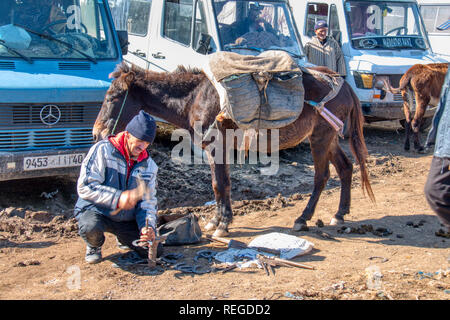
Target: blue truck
point(55, 58)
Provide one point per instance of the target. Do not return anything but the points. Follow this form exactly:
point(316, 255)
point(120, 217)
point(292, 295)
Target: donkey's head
point(119, 106)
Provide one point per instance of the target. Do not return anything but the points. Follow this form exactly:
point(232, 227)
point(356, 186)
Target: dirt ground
point(387, 250)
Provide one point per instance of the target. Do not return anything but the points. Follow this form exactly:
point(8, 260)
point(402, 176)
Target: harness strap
point(120, 112)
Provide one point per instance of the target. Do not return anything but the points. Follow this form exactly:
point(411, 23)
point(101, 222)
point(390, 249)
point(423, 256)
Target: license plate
point(49, 162)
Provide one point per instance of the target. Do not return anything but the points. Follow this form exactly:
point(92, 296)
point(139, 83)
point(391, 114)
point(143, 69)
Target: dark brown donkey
point(186, 96)
point(424, 83)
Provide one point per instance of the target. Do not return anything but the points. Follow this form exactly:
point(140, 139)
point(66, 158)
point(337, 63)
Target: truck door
point(321, 11)
point(139, 32)
point(182, 27)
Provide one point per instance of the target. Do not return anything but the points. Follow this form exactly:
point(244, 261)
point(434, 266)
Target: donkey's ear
point(126, 79)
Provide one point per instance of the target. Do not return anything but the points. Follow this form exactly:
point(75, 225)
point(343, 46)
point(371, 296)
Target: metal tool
point(274, 261)
point(241, 245)
point(152, 246)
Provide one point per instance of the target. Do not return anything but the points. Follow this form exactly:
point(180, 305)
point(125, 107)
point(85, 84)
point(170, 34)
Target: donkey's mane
point(124, 76)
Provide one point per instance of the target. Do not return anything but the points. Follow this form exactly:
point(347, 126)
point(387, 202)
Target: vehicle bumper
point(12, 164)
point(374, 111)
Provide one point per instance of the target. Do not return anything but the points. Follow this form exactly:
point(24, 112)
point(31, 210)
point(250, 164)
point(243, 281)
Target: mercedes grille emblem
point(50, 114)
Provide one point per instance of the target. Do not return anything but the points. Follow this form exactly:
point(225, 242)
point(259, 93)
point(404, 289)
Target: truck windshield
point(255, 26)
point(55, 29)
point(385, 25)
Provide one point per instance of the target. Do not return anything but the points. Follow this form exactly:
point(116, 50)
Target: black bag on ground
point(180, 229)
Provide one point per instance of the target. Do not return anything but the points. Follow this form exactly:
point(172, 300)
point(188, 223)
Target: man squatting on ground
point(437, 187)
point(108, 181)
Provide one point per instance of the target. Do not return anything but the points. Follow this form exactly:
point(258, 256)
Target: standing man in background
point(437, 187)
point(324, 50)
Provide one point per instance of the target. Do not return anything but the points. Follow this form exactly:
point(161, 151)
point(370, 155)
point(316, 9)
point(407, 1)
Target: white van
point(436, 13)
point(164, 34)
point(377, 37)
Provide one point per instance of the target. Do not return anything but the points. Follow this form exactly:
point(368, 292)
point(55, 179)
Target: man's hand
point(147, 234)
point(128, 199)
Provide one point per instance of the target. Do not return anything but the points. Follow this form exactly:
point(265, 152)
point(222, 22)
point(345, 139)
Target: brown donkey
point(424, 82)
point(185, 97)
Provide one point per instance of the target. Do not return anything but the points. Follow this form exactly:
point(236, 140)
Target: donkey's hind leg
point(221, 185)
point(407, 102)
point(344, 169)
point(320, 152)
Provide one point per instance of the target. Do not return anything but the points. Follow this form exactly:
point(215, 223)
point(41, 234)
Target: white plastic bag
point(289, 246)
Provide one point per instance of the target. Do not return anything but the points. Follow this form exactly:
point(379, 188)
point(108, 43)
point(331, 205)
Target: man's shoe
point(121, 245)
point(93, 254)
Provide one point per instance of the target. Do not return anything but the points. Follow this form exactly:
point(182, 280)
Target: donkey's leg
point(421, 107)
point(221, 185)
point(319, 149)
point(344, 169)
point(407, 113)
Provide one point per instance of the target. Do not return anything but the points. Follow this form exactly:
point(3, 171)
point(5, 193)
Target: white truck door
point(139, 32)
point(182, 23)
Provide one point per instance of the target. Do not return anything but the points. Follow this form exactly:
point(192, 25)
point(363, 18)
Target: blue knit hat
point(320, 24)
point(142, 126)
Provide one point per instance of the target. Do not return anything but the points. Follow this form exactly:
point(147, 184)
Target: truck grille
point(31, 114)
point(18, 116)
point(16, 140)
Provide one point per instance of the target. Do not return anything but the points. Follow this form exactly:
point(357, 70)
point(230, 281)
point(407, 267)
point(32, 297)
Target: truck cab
point(164, 34)
point(378, 38)
point(436, 16)
point(55, 58)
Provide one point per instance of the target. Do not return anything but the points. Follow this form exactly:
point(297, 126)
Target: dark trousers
point(92, 226)
point(437, 189)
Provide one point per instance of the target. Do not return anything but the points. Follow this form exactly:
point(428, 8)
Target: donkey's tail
point(358, 145)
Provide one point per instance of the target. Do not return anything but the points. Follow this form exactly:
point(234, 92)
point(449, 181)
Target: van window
point(177, 20)
point(316, 12)
point(200, 26)
point(249, 27)
point(434, 16)
point(138, 17)
point(387, 25)
point(55, 29)
point(334, 29)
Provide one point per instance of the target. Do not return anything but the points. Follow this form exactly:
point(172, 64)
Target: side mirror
point(123, 41)
point(202, 46)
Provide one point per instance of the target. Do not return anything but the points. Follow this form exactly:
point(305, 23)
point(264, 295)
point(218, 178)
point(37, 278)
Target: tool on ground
point(266, 263)
point(274, 261)
point(141, 192)
point(240, 245)
point(152, 247)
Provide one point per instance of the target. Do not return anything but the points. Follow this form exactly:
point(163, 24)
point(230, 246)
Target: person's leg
point(126, 232)
point(437, 189)
point(91, 228)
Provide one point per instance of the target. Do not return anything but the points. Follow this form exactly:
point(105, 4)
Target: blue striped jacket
point(440, 131)
point(103, 177)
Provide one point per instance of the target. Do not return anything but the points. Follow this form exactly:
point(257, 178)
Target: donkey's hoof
point(300, 227)
point(210, 226)
point(335, 221)
point(220, 233)
point(420, 150)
